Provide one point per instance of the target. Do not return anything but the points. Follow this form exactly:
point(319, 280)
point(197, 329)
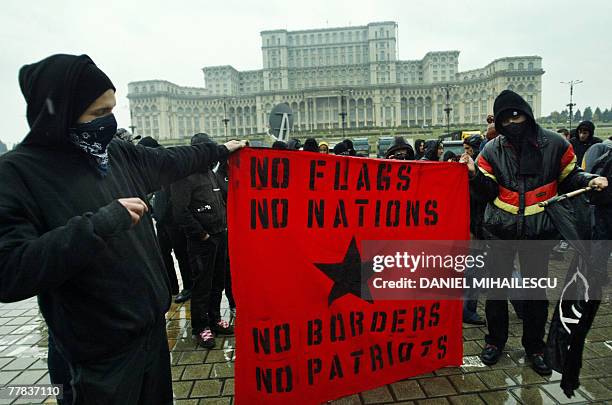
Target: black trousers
point(173, 238)
point(138, 376)
point(228, 284)
point(208, 261)
point(533, 259)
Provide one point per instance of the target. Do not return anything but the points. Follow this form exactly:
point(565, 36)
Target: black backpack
point(603, 167)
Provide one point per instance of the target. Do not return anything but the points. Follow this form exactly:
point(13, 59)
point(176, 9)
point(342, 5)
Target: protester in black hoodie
point(199, 209)
point(419, 149)
point(584, 139)
point(170, 237)
point(523, 166)
point(74, 231)
point(400, 150)
point(433, 150)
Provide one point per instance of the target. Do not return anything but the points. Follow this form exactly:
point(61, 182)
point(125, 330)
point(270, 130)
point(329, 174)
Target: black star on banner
point(347, 275)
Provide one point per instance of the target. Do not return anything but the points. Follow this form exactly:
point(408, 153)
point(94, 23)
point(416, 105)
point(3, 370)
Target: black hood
point(589, 126)
point(279, 145)
point(201, 138)
point(509, 100)
point(311, 145)
point(55, 98)
point(431, 150)
point(400, 143)
point(149, 142)
point(474, 141)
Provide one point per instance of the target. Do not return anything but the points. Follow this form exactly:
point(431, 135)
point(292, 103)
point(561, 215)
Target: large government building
point(332, 77)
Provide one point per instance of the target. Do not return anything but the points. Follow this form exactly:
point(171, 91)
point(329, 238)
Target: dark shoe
point(538, 364)
point(475, 320)
point(223, 328)
point(206, 339)
point(183, 296)
point(490, 355)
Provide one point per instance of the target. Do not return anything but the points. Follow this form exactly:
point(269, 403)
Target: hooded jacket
point(580, 147)
point(512, 211)
point(64, 237)
point(198, 206)
point(400, 143)
point(431, 150)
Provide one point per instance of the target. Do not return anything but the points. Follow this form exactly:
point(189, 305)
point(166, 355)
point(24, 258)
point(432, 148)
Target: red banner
point(296, 222)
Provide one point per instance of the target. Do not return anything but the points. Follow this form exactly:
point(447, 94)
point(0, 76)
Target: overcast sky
point(172, 40)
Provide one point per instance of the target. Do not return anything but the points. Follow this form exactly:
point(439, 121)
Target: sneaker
point(223, 328)
point(183, 296)
point(206, 339)
point(490, 354)
point(538, 364)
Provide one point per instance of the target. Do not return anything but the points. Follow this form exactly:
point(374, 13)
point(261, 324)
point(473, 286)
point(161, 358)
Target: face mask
point(93, 138)
point(515, 129)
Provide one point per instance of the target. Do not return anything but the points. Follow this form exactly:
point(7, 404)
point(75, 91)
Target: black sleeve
point(483, 185)
point(31, 263)
point(180, 195)
point(159, 166)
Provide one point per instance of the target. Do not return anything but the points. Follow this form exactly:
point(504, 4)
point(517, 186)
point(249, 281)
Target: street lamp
point(225, 119)
point(448, 108)
point(571, 104)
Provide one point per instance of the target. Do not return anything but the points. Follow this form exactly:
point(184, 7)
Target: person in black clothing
point(223, 181)
point(279, 145)
point(170, 237)
point(400, 150)
point(419, 149)
point(311, 145)
point(74, 231)
point(199, 209)
point(523, 166)
point(433, 150)
point(584, 139)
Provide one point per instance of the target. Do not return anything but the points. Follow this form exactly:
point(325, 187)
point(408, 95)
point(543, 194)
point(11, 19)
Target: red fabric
point(540, 194)
point(482, 162)
point(532, 197)
point(508, 196)
point(279, 289)
point(567, 157)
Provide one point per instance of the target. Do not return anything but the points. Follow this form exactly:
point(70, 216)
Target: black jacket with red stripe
point(512, 211)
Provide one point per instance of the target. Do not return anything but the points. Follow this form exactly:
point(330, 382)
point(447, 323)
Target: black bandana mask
point(93, 138)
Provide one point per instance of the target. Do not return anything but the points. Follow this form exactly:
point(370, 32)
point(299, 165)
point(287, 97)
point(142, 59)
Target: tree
point(588, 114)
point(555, 116)
point(578, 116)
point(564, 116)
point(3, 148)
point(605, 116)
point(597, 115)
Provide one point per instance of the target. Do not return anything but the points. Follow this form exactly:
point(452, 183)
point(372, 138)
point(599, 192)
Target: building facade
point(330, 76)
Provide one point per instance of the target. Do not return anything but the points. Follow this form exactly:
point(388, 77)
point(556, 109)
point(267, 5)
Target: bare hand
point(205, 236)
point(136, 207)
point(467, 159)
point(233, 146)
point(598, 183)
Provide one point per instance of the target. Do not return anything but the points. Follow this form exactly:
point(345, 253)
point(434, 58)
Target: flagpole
point(562, 197)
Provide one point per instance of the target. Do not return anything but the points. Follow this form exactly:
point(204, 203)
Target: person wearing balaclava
point(400, 150)
point(341, 148)
point(584, 139)
point(75, 232)
point(199, 209)
point(279, 145)
point(434, 150)
point(523, 166)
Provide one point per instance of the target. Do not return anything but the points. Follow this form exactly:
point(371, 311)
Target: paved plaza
point(206, 376)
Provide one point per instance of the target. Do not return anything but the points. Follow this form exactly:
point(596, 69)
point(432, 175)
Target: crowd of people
point(88, 223)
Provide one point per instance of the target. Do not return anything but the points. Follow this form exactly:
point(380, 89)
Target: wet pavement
point(203, 376)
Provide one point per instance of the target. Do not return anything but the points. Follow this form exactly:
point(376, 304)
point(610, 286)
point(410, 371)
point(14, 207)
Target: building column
point(398, 108)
